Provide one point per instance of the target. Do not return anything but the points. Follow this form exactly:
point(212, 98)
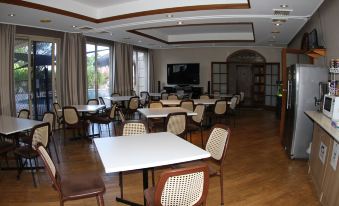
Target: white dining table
point(125, 153)
point(163, 112)
point(86, 108)
point(10, 125)
point(174, 102)
point(226, 95)
point(119, 98)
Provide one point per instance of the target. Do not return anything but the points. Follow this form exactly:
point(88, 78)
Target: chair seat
point(149, 195)
point(26, 152)
point(84, 185)
point(211, 170)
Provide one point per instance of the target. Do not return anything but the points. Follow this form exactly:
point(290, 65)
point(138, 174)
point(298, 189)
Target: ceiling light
point(169, 15)
point(139, 41)
point(45, 20)
point(274, 37)
point(283, 5)
point(180, 22)
point(11, 15)
point(111, 34)
point(74, 26)
point(277, 24)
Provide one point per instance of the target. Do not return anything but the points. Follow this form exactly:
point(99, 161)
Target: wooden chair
point(204, 96)
point(39, 134)
point(49, 117)
point(24, 114)
point(220, 109)
point(176, 123)
point(144, 98)
point(187, 104)
point(133, 105)
point(156, 122)
point(75, 187)
point(106, 119)
point(217, 146)
point(184, 186)
point(73, 122)
point(164, 95)
point(172, 97)
point(58, 113)
point(196, 122)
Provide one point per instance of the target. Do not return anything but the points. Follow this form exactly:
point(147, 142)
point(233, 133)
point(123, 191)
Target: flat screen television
point(183, 73)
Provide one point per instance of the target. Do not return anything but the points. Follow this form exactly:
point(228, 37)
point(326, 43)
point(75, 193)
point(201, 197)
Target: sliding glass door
point(140, 71)
point(34, 73)
point(98, 70)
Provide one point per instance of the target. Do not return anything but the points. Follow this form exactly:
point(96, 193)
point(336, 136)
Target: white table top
point(155, 94)
point(226, 95)
point(10, 125)
point(173, 102)
point(87, 108)
point(163, 112)
point(324, 122)
point(121, 98)
point(125, 153)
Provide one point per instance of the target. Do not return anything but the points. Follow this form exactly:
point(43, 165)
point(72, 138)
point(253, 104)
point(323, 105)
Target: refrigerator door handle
point(288, 105)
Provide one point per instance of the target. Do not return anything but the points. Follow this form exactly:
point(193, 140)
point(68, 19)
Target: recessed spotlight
point(45, 21)
point(111, 34)
point(274, 37)
point(139, 41)
point(169, 15)
point(180, 22)
point(11, 15)
point(284, 6)
point(277, 24)
point(74, 26)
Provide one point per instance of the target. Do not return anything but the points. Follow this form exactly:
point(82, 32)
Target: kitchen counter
point(324, 122)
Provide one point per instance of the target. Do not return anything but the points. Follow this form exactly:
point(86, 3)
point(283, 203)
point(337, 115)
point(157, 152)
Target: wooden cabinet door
point(320, 144)
point(330, 186)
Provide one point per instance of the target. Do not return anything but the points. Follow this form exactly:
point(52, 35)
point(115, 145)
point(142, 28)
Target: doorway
point(244, 82)
point(34, 74)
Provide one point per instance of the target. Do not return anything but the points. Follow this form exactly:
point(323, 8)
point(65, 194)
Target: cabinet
point(322, 161)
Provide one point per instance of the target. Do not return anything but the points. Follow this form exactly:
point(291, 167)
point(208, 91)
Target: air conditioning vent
point(278, 20)
point(85, 28)
point(282, 12)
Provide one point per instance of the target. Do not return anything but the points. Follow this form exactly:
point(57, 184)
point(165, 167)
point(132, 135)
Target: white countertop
point(324, 122)
point(125, 153)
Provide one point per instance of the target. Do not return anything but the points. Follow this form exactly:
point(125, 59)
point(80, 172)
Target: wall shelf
point(315, 53)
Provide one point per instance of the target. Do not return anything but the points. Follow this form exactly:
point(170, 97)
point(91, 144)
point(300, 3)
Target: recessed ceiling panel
point(221, 32)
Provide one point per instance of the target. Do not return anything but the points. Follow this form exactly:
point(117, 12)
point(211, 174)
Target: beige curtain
point(7, 93)
point(72, 76)
point(152, 83)
point(123, 72)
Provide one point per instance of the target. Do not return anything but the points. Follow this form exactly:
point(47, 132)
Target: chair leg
point(98, 202)
point(121, 185)
point(222, 186)
point(202, 137)
point(153, 181)
point(32, 171)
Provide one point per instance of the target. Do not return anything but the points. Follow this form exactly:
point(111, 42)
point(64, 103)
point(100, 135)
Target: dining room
point(164, 103)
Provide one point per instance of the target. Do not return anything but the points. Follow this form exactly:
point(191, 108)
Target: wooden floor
point(257, 172)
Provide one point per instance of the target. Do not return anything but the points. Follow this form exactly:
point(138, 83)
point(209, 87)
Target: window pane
point(103, 71)
point(90, 53)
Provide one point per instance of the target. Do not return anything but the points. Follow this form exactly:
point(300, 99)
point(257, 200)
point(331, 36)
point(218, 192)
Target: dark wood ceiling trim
point(140, 33)
point(126, 16)
point(49, 9)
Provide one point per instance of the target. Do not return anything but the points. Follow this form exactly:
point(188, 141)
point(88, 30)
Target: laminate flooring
point(257, 171)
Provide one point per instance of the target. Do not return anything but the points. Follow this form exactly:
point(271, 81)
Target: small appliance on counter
point(331, 107)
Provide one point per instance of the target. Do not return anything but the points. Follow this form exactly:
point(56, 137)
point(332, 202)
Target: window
point(98, 70)
point(140, 71)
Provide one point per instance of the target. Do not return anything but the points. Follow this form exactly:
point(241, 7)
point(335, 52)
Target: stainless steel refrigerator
point(302, 87)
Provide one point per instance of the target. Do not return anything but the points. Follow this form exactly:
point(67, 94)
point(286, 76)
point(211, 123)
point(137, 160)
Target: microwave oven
point(331, 106)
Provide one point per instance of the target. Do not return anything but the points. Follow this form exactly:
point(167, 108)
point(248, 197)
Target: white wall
point(325, 20)
point(204, 56)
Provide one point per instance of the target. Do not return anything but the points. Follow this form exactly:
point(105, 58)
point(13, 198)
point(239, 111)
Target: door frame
point(55, 67)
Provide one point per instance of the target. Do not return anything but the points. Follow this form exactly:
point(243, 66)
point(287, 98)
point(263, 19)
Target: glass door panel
point(103, 67)
point(91, 65)
point(21, 74)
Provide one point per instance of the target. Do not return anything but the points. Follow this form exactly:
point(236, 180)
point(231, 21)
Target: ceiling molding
point(138, 32)
point(129, 15)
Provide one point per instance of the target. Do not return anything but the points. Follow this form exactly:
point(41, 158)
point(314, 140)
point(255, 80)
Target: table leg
point(145, 186)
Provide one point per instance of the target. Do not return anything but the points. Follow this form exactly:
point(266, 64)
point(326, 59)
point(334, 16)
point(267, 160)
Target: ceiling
point(168, 23)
